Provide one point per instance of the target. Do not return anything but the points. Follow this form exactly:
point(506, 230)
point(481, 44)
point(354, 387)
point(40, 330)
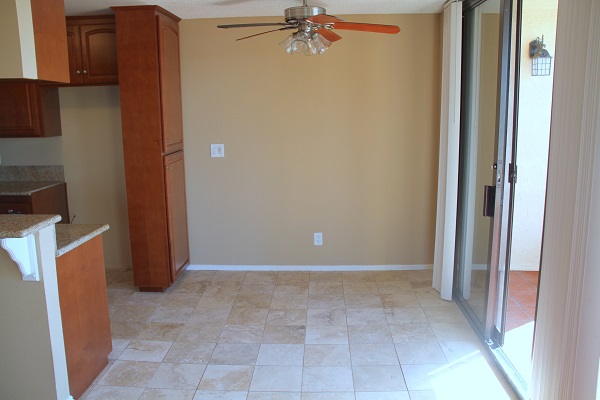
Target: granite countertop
point(69, 236)
point(24, 188)
point(19, 226)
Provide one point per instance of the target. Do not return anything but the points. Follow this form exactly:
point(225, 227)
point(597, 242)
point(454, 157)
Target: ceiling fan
point(314, 29)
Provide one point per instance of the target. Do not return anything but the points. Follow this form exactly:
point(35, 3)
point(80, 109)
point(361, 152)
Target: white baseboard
point(525, 268)
point(210, 267)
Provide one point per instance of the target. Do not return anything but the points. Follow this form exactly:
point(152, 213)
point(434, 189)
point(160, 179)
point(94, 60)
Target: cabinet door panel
point(15, 208)
point(73, 45)
point(29, 110)
point(170, 82)
point(18, 110)
point(99, 53)
point(176, 213)
point(84, 312)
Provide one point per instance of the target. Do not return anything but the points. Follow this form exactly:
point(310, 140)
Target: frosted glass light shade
point(307, 43)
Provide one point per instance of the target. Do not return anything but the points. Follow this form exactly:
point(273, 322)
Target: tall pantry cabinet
point(150, 86)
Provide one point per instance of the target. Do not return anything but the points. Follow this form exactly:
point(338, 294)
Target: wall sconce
point(541, 60)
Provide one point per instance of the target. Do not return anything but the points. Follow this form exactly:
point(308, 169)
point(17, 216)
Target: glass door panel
point(481, 160)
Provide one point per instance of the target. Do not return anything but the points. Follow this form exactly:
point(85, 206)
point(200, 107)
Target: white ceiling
point(188, 9)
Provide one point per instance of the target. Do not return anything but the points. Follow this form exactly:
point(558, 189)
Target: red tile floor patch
point(522, 296)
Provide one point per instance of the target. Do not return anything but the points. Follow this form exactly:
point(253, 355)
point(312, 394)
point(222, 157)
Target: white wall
point(535, 102)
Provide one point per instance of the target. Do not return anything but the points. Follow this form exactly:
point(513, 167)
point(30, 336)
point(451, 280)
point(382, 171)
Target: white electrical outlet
point(217, 150)
point(318, 238)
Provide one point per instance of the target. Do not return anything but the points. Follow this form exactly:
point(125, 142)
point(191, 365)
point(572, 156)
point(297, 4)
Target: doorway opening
point(532, 133)
point(505, 125)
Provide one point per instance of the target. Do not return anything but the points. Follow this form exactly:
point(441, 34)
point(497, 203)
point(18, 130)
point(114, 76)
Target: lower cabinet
point(52, 200)
point(176, 213)
point(84, 312)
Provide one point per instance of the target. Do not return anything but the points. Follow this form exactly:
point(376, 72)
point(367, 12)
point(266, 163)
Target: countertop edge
point(14, 188)
point(78, 235)
point(19, 226)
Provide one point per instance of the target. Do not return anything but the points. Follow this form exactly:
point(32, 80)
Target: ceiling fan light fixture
point(307, 43)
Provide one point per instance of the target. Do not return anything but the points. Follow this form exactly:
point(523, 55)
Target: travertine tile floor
point(290, 336)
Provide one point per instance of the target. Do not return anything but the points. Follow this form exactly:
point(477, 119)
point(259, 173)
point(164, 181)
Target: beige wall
point(32, 350)
point(93, 158)
point(17, 40)
point(345, 144)
point(91, 151)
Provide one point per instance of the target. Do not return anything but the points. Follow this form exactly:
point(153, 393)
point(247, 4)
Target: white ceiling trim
point(191, 9)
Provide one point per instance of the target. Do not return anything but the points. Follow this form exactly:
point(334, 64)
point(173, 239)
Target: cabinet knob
point(169, 167)
point(167, 140)
point(78, 72)
point(84, 71)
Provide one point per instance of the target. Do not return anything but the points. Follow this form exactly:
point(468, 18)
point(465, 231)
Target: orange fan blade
point(323, 19)
point(356, 26)
point(329, 35)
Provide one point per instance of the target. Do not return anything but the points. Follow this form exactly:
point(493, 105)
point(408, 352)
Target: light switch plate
point(318, 239)
point(217, 150)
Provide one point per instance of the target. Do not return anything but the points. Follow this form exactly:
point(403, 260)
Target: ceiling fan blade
point(356, 26)
point(262, 33)
point(323, 19)
point(329, 35)
point(252, 25)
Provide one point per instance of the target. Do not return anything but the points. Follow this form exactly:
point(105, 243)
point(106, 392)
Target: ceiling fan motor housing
point(302, 12)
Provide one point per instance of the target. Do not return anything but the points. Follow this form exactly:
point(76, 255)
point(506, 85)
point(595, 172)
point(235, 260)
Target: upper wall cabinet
point(92, 43)
point(32, 40)
point(29, 110)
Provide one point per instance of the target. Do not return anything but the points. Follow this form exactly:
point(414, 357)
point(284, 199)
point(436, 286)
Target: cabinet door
point(176, 213)
point(29, 110)
point(15, 208)
point(170, 84)
point(74, 46)
point(99, 53)
point(84, 312)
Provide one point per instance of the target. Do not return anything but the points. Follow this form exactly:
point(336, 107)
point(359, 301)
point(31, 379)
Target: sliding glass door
point(482, 218)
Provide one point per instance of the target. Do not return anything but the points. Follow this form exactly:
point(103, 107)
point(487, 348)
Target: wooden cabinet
point(170, 84)
point(29, 110)
point(176, 213)
point(151, 115)
point(84, 312)
point(92, 44)
point(52, 200)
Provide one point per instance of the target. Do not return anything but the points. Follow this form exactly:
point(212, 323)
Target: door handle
point(489, 200)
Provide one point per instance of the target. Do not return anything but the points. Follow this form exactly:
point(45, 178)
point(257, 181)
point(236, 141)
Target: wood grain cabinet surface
point(29, 110)
point(84, 311)
point(92, 44)
point(52, 200)
point(151, 115)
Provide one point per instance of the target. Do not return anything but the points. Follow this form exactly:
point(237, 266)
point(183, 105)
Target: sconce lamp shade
point(541, 60)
